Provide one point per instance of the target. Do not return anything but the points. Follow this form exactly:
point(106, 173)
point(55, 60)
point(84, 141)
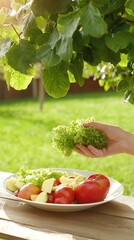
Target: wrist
point(129, 143)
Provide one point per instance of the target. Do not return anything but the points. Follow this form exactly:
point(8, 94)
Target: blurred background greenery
point(26, 133)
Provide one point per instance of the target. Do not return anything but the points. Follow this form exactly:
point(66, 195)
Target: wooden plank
point(86, 224)
point(122, 207)
point(14, 231)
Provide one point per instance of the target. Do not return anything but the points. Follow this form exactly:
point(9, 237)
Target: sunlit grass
point(26, 133)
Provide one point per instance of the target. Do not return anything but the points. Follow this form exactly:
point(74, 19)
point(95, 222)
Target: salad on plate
point(58, 187)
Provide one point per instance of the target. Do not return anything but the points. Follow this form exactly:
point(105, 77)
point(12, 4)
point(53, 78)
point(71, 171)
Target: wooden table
point(110, 221)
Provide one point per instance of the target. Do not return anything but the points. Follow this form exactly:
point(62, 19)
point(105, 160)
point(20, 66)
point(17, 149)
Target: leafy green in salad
point(38, 176)
point(65, 138)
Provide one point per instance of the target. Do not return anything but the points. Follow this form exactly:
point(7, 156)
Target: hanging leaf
point(119, 40)
point(21, 57)
point(122, 86)
point(43, 39)
point(68, 23)
point(64, 48)
point(33, 34)
point(78, 41)
point(17, 80)
point(51, 59)
point(43, 51)
point(56, 81)
point(48, 56)
point(76, 68)
point(131, 54)
point(54, 38)
point(92, 21)
point(40, 7)
point(129, 14)
point(102, 52)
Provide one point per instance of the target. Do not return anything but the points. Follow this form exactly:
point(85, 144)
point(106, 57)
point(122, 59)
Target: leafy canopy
point(70, 38)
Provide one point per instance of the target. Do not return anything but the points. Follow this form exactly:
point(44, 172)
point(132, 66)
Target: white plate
point(116, 189)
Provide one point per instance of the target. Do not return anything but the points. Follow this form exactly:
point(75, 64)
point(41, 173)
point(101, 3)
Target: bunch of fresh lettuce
point(65, 138)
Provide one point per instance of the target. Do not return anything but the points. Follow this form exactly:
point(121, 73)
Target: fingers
point(79, 151)
point(98, 152)
point(90, 151)
point(97, 125)
point(83, 151)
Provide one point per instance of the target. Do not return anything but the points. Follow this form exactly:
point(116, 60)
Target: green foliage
point(66, 137)
point(74, 33)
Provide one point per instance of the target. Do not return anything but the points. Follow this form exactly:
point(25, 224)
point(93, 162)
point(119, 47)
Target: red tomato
point(50, 197)
point(61, 200)
point(103, 180)
point(64, 192)
point(93, 189)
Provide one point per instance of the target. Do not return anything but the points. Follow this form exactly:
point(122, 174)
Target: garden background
point(26, 133)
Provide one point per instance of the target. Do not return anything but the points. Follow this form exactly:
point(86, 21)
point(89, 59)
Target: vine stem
point(15, 30)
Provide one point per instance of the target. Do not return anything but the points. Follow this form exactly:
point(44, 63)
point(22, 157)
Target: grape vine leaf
point(68, 23)
point(77, 41)
point(76, 68)
point(48, 56)
point(123, 85)
point(117, 41)
point(64, 48)
point(51, 59)
point(17, 80)
point(131, 54)
point(41, 7)
point(92, 21)
point(54, 38)
point(56, 81)
point(21, 57)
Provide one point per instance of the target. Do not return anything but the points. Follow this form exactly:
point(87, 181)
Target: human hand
point(119, 141)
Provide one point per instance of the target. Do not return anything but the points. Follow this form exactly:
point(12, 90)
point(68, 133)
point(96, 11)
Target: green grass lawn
point(26, 133)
